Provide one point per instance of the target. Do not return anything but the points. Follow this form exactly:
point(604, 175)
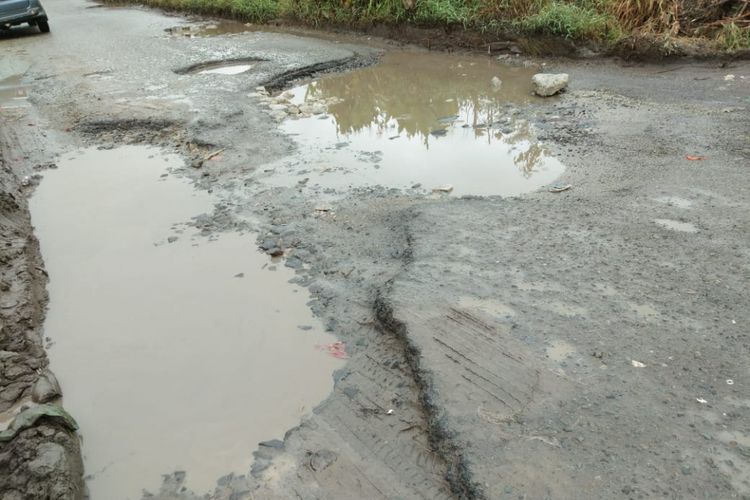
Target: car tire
point(43, 26)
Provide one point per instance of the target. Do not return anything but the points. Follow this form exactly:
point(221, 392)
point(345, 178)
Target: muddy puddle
point(13, 93)
point(219, 27)
point(175, 351)
point(416, 120)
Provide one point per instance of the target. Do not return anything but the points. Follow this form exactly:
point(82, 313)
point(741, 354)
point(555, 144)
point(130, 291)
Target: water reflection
point(423, 92)
point(427, 116)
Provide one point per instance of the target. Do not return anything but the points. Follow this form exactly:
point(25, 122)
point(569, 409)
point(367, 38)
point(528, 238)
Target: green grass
point(733, 38)
point(572, 21)
point(444, 12)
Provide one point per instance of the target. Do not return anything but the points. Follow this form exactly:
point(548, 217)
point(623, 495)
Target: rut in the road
point(457, 474)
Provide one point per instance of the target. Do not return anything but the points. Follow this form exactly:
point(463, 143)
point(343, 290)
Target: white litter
point(637, 364)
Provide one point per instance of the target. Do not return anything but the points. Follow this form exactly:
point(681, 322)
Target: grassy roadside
point(663, 26)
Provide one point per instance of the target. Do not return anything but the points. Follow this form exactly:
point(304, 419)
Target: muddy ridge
point(42, 461)
point(286, 78)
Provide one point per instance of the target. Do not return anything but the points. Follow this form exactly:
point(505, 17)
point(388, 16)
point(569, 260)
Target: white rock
point(318, 109)
point(547, 84)
point(277, 107)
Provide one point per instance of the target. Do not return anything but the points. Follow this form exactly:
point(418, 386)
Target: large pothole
point(175, 350)
point(416, 120)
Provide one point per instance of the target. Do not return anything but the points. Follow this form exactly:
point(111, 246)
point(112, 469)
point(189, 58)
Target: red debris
point(337, 350)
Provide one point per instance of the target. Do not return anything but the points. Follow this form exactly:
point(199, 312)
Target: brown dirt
point(43, 461)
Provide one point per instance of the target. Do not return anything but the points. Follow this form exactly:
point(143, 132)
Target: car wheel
point(43, 26)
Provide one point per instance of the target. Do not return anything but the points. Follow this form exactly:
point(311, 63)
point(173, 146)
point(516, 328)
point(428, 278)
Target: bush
point(733, 38)
point(256, 10)
point(447, 12)
point(571, 21)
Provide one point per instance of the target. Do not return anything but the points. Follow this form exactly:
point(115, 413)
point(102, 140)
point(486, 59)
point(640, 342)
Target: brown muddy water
point(175, 351)
point(417, 120)
point(219, 27)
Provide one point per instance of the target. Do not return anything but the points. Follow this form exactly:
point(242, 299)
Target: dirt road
point(591, 343)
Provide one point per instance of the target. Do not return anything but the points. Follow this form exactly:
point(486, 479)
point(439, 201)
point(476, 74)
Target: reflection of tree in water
point(532, 153)
point(422, 95)
point(528, 160)
point(413, 100)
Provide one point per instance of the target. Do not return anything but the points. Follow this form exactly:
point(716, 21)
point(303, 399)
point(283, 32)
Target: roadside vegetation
point(722, 25)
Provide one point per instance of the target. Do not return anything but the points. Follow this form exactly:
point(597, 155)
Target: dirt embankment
point(625, 28)
point(41, 461)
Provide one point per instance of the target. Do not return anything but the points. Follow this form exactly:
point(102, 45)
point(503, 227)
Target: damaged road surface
point(275, 265)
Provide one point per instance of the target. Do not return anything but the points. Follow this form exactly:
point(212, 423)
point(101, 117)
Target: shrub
point(571, 21)
point(733, 37)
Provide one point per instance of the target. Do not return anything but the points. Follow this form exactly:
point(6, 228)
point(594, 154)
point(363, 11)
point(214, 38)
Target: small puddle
point(225, 67)
point(416, 120)
point(13, 94)
point(230, 69)
point(175, 351)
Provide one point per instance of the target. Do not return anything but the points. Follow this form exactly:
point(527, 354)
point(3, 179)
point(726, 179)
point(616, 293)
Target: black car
point(15, 12)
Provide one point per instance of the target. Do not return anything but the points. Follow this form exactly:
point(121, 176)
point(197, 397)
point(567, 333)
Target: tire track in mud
point(458, 475)
point(457, 472)
point(374, 418)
